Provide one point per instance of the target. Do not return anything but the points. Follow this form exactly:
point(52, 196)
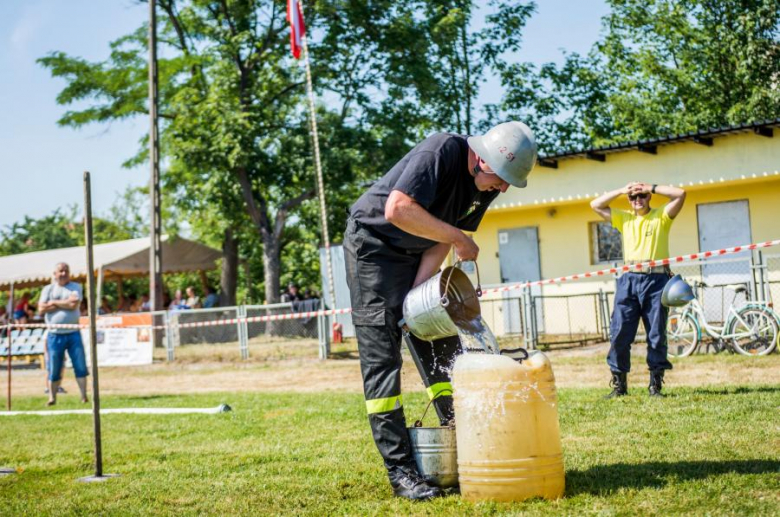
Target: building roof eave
point(650, 145)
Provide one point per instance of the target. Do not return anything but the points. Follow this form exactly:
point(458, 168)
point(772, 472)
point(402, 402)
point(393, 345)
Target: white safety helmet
point(509, 149)
point(676, 292)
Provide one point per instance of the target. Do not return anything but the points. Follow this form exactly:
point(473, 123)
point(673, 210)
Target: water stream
point(475, 334)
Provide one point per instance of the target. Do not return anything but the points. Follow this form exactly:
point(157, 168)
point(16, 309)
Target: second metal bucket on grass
point(430, 308)
point(435, 451)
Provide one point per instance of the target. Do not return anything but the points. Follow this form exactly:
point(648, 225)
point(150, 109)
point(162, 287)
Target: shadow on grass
point(739, 390)
point(149, 397)
point(608, 478)
point(345, 354)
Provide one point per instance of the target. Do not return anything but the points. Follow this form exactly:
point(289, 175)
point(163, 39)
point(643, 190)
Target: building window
point(606, 243)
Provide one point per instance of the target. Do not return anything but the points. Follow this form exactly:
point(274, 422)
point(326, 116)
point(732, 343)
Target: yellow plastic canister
point(506, 415)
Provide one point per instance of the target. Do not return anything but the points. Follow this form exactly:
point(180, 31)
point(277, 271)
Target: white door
point(518, 257)
point(723, 225)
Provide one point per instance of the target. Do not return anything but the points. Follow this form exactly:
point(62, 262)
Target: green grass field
point(701, 451)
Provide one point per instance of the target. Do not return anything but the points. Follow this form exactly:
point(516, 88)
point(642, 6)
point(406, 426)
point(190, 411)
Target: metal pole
point(534, 322)
point(762, 284)
point(99, 290)
point(5, 471)
point(92, 330)
point(155, 249)
point(10, 329)
point(318, 166)
point(602, 315)
point(168, 337)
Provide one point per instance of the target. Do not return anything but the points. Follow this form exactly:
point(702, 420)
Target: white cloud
point(32, 21)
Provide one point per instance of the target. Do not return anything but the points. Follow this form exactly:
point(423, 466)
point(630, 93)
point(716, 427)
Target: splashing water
point(475, 334)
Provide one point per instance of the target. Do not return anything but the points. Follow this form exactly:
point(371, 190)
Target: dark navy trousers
point(638, 296)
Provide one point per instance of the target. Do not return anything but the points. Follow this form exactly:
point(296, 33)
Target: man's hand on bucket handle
point(466, 248)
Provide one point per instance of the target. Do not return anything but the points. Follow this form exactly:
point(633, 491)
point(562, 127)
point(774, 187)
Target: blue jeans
point(638, 296)
point(57, 345)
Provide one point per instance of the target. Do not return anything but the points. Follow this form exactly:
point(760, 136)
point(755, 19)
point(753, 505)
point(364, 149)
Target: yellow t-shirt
point(645, 237)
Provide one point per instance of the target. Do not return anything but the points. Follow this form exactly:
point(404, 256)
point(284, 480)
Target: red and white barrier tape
point(638, 267)
point(195, 324)
point(313, 314)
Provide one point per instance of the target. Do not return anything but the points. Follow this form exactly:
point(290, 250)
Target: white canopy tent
point(113, 260)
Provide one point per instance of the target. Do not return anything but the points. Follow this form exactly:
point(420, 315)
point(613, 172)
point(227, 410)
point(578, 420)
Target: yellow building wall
point(565, 241)
point(731, 158)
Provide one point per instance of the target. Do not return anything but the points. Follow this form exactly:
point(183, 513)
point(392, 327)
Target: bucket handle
point(419, 423)
point(508, 351)
point(446, 301)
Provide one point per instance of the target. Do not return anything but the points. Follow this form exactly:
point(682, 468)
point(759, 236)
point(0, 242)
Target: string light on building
point(580, 197)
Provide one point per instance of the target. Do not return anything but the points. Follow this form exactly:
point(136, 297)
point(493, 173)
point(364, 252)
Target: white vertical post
point(169, 335)
point(323, 335)
point(243, 332)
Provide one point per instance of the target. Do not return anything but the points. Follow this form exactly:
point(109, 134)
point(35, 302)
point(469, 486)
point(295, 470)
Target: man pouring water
point(398, 234)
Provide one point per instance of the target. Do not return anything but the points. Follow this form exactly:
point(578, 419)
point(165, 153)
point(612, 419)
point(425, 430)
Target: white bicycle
point(751, 329)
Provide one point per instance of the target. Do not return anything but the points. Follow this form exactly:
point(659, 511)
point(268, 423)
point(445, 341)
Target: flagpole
point(318, 166)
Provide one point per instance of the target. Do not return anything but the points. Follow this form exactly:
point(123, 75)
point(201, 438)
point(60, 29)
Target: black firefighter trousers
point(379, 277)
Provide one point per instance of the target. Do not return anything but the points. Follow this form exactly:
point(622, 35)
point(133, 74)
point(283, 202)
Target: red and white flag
point(297, 27)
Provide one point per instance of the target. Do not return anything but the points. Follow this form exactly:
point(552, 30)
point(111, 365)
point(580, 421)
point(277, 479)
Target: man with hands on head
point(398, 234)
point(645, 234)
point(59, 302)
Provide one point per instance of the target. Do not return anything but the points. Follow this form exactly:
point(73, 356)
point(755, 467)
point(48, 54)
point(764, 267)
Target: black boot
point(408, 483)
point(619, 385)
point(656, 381)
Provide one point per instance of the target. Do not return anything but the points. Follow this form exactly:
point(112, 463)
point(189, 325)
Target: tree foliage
point(660, 67)
point(60, 229)
point(235, 133)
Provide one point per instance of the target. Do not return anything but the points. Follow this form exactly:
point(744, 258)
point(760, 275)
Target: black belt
point(647, 270)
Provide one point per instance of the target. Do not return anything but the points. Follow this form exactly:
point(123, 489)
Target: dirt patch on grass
point(581, 367)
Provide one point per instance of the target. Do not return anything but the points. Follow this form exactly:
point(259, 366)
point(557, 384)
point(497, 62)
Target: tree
point(58, 230)
point(235, 129)
point(227, 97)
point(661, 67)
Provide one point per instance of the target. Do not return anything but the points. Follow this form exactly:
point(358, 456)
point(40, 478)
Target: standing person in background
point(645, 233)
point(59, 302)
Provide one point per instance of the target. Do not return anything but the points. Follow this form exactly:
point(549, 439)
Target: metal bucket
point(435, 451)
point(432, 309)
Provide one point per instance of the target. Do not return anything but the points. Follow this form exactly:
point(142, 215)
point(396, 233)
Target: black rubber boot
point(619, 385)
point(656, 382)
point(408, 483)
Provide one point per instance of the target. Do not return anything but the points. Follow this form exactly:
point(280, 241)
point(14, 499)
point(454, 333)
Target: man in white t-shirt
point(59, 302)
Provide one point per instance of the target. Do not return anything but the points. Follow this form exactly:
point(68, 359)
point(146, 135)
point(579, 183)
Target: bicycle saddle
point(737, 288)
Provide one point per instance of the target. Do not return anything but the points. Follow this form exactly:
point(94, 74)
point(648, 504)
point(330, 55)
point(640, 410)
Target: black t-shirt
point(435, 174)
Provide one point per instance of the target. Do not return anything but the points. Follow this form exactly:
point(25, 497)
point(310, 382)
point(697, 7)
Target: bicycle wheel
point(754, 331)
point(682, 334)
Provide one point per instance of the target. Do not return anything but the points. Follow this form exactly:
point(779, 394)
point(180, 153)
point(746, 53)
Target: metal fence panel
point(285, 332)
point(772, 277)
point(514, 315)
point(711, 278)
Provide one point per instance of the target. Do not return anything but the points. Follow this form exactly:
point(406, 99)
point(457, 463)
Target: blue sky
point(41, 164)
